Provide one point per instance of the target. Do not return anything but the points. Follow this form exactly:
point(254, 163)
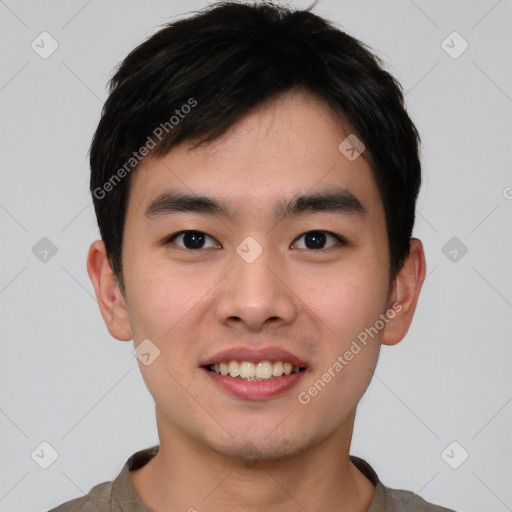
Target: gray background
point(65, 381)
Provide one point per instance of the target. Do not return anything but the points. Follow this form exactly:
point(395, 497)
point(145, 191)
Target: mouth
point(258, 380)
point(254, 372)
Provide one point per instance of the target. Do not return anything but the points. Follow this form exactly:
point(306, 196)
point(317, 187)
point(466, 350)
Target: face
point(265, 284)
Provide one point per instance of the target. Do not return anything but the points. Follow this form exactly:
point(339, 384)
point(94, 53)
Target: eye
point(191, 239)
point(195, 240)
point(315, 240)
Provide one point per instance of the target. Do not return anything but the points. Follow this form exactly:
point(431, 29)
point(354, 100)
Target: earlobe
point(406, 291)
point(110, 300)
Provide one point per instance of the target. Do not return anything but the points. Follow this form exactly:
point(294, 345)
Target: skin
point(218, 452)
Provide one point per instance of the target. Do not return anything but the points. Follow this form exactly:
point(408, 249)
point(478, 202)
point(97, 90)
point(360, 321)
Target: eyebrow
point(332, 200)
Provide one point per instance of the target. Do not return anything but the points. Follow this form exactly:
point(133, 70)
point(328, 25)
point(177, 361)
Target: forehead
point(287, 147)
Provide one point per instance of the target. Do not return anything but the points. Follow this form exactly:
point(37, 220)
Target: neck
point(187, 475)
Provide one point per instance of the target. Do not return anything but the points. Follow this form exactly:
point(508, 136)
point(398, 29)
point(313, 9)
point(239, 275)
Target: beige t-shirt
point(120, 496)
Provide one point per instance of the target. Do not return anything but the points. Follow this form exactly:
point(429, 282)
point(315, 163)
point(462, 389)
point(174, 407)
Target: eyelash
point(170, 239)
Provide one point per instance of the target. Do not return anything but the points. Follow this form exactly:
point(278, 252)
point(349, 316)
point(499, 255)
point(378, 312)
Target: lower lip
point(253, 389)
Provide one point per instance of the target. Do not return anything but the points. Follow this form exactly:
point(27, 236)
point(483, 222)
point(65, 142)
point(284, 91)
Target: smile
point(241, 378)
point(261, 371)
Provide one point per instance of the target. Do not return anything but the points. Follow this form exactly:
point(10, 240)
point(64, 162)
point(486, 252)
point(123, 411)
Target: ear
point(110, 300)
point(404, 297)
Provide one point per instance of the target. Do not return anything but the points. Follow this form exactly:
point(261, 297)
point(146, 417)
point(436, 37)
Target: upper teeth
point(248, 370)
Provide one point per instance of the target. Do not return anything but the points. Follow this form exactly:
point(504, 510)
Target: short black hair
point(196, 77)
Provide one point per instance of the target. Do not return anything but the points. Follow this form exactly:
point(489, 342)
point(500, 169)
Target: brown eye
point(315, 240)
point(191, 239)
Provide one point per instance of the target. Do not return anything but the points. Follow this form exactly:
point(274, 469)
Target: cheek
point(347, 307)
point(347, 300)
point(168, 305)
point(162, 310)
point(350, 303)
point(159, 298)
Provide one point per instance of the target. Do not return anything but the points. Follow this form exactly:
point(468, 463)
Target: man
point(254, 176)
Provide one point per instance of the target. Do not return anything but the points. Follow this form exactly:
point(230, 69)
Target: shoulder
point(98, 499)
point(406, 501)
point(386, 499)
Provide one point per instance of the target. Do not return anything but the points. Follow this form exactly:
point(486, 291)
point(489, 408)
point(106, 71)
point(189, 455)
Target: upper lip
point(253, 355)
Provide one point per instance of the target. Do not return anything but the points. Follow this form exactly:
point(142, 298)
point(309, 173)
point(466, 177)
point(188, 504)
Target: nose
point(257, 294)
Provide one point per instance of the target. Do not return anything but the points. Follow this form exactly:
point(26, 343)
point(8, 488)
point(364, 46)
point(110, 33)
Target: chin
point(251, 448)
